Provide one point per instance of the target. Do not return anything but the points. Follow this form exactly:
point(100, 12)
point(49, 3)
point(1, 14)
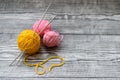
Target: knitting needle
point(43, 16)
point(20, 55)
point(16, 58)
point(47, 24)
point(19, 58)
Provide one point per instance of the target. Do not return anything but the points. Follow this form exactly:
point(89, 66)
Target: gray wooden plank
point(66, 24)
point(107, 7)
point(71, 69)
point(73, 47)
point(59, 78)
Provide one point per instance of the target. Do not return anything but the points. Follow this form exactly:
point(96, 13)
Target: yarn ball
point(28, 41)
point(42, 28)
point(52, 38)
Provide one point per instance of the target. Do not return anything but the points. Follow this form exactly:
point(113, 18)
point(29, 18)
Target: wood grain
point(90, 56)
point(66, 24)
point(60, 78)
point(108, 7)
point(78, 69)
point(91, 44)
point(73, 47)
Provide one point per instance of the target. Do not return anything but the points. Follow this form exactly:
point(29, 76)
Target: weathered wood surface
point(66, 24)
point(91, 45)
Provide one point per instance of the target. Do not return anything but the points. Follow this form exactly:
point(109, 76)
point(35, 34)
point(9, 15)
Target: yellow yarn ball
point(29, 42)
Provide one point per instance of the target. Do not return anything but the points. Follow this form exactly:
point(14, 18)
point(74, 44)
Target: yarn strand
point(40, 64)
point(43, 69)
point(56, 65)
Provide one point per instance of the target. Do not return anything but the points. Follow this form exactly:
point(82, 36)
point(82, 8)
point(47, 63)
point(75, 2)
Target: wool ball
point(43, 27)
point(52, 38)
point(28, 41)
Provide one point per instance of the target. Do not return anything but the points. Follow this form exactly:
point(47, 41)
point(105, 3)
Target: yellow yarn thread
point(28, 41)
point(40, 64)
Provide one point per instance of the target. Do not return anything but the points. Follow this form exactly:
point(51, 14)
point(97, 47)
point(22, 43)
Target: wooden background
point(91, 45)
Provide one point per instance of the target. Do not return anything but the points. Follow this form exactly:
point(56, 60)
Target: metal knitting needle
point(21, 54)
point(19, 59)
point(43, 16)
point(47, 24)
point(16, 58)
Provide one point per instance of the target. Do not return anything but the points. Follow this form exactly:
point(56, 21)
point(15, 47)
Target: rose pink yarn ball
point(41, 30)
point(52, 38)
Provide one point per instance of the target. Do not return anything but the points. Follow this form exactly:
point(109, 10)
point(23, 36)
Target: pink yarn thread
point(52, 38)
point(42, 28)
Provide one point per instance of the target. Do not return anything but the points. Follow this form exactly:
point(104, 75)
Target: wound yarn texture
point(28, 41)
point(52, 38)
point(41, 27)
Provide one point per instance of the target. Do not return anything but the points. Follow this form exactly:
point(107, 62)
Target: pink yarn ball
point(41, 28)
point(52, 38)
